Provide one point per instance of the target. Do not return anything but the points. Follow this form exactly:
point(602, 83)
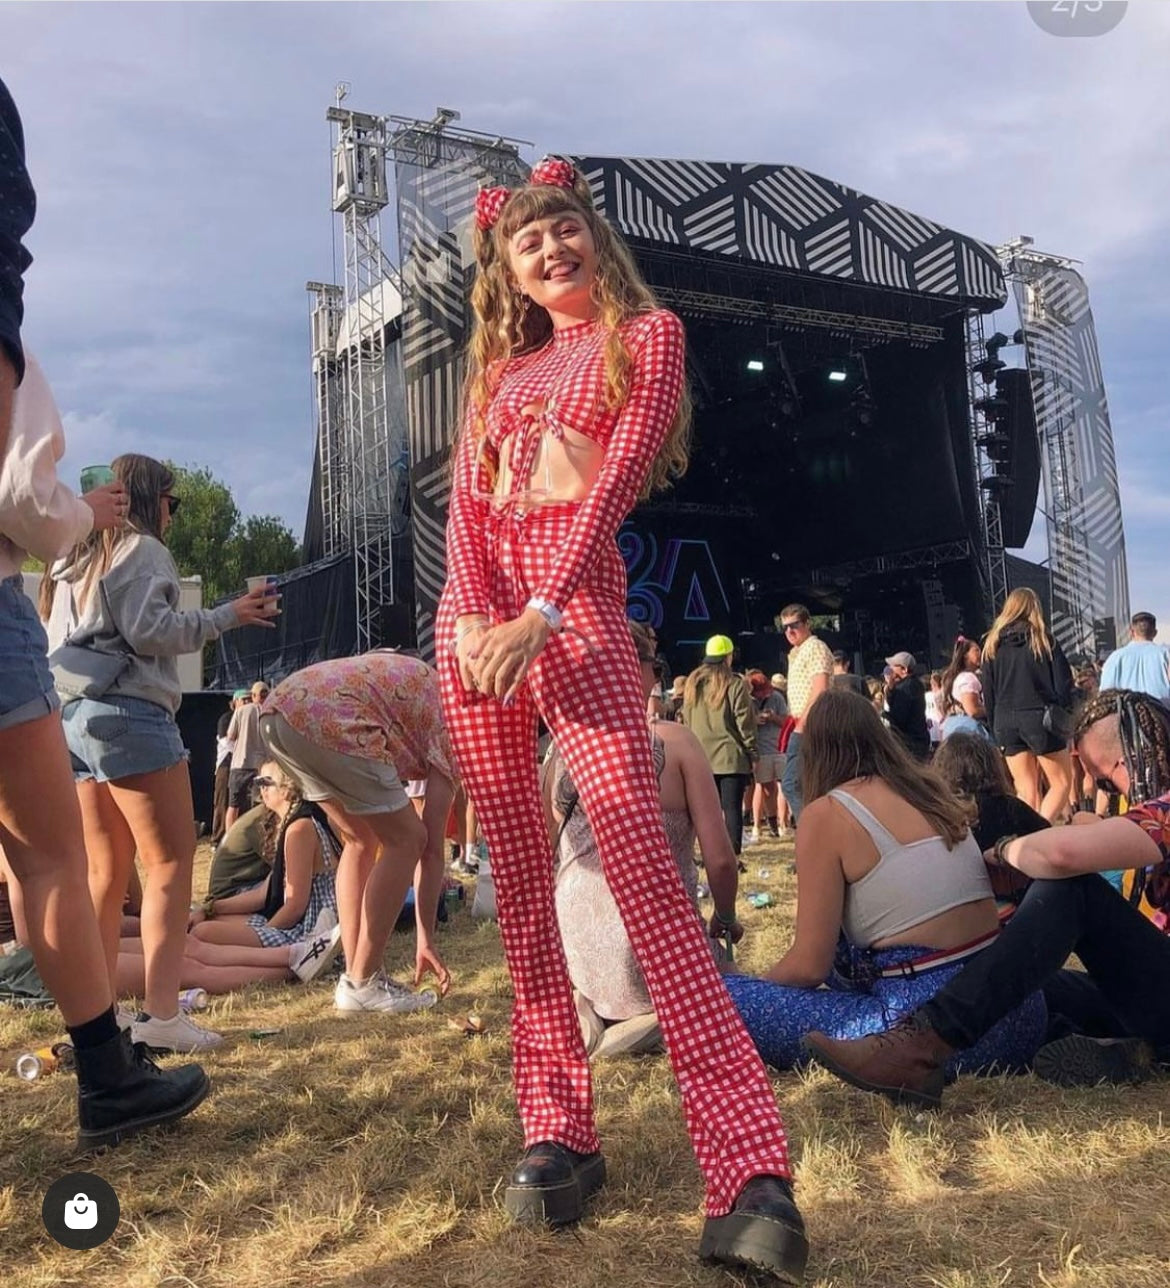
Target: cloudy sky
point(181, 158)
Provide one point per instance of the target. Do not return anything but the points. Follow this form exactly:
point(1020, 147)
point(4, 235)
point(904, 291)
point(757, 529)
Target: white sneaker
point(177, 1034)
point(326, 920)
point(309, 958)
point(381, 994)
point(752, 836)
point(125, 1016)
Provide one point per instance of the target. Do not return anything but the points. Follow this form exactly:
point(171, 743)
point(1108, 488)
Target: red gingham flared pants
point(591, 700)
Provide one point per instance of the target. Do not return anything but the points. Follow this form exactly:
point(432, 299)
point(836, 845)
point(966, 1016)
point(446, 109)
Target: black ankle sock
point(101, 1029)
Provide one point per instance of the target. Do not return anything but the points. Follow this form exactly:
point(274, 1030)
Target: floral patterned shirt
point(380, 706)
point(1154, 819)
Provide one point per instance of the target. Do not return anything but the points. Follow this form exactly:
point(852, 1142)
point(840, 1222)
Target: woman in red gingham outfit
point(575, 406)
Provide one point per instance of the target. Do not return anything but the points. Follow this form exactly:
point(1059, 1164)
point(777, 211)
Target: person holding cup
point(118, 677)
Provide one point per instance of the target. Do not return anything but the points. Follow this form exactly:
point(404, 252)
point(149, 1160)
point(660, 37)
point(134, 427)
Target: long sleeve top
point(726, 732)
point(1015, 680)
point(135, 607)
point(565, 378)
point(38, 513)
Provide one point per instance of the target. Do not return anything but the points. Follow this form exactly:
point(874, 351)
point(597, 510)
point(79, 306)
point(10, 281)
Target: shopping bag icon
point(80, 1213)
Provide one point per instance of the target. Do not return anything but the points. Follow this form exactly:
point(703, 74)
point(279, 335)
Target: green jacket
point(727, 732)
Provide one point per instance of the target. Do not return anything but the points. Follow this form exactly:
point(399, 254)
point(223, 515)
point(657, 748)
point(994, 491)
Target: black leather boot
point(763, 1231)
point(551, 1183)
point(120, 1090)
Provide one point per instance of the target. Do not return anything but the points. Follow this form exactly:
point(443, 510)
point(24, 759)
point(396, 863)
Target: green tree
point(263, 544)
point(210, 539)
point(201, 536)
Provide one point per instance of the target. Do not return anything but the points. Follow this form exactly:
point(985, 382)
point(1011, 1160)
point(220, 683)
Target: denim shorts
point(26, 686)
point(115, 737)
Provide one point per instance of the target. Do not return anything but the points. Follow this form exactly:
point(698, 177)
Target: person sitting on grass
point(1116, 1013)
point(885, 863)
point(613, 1004)
point(239, 862)
point(287, 907)
point(352, 730)
point(282, 927)
point(976, 769)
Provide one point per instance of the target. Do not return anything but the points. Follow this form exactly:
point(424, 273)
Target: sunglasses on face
point(790, 626)
point(173, 503)
point(261, 783)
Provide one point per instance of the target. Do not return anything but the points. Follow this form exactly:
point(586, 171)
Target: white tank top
point(911, 883)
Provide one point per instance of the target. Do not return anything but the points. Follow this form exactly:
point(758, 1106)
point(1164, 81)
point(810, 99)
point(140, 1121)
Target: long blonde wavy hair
point(1022, 605)
point(502, 327)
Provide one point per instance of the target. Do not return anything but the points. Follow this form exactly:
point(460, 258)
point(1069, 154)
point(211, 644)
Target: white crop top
point(911, 882)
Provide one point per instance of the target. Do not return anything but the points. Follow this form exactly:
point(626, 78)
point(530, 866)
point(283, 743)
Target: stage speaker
point(1018, 454)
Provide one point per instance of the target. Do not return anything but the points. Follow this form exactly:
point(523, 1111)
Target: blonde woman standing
point(1028, 692)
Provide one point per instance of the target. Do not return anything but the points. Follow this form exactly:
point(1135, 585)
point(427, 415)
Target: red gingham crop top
point(566, 375)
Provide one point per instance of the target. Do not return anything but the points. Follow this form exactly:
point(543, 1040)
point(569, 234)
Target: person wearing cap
point(810, 670)
point(906, 702)
point(223, 768)
point(248, 751)
point(717, 708)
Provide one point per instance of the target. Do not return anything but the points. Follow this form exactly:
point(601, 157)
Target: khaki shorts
point(359, 786)
point(770, 769)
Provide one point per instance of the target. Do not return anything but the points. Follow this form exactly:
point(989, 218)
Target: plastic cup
point(267, 584)
point(95, 476)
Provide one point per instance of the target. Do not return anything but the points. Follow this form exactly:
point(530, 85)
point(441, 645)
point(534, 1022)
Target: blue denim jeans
point(790, 784)
point(26, 686)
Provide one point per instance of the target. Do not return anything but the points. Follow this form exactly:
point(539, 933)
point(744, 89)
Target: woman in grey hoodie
point(120, 697)
point(119, 1090)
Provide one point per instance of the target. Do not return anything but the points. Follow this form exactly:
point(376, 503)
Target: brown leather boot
point(906, 1064)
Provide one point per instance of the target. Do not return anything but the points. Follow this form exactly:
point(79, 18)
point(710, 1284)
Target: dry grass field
point(345, 1153)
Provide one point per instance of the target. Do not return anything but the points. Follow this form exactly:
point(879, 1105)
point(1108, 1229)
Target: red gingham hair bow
point(489, 202)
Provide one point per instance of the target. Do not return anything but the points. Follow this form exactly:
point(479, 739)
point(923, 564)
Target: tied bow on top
point(490, 202)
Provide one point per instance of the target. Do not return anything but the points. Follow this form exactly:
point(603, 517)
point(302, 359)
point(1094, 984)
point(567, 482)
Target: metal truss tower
point(437, 172)
point(332, 449)
point(1086, 543)
point(370, 459)
point(989, 480)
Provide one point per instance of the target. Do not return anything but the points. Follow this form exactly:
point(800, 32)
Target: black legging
point(731, 789)
point(1126, 956)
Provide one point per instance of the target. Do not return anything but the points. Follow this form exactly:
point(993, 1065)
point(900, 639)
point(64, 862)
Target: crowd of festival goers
point(959, 833)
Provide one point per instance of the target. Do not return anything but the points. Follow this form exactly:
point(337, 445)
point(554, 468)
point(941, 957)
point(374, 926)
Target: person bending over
point(891, 890)
point(352, 730)
point(1118, 1009)
point(614, 1006)
point(574, 408)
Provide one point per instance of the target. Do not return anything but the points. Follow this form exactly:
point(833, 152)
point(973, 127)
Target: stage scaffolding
point(1082, 501)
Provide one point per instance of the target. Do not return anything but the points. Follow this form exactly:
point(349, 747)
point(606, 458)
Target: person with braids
point(1112, 1020)
point(576, 407)
point(1028, 692)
